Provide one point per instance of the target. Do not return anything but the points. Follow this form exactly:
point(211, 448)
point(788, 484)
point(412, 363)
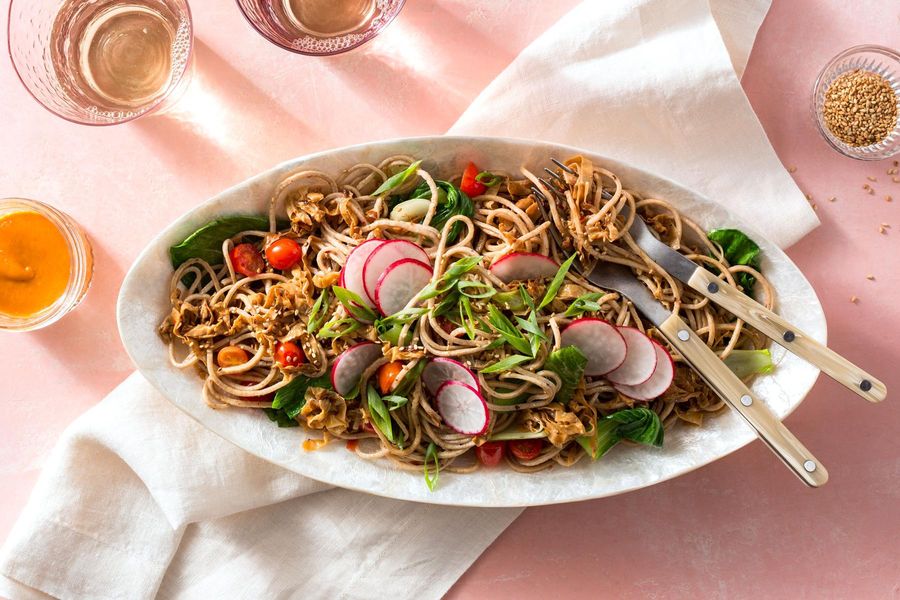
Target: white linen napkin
point(138, 500)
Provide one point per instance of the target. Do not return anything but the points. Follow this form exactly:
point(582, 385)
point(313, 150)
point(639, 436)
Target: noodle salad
point(426, 316)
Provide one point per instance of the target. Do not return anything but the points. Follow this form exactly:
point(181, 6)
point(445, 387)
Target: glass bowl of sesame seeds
point(856, 101)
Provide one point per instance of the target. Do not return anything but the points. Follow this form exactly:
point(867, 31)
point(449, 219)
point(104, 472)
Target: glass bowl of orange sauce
point(46, 264)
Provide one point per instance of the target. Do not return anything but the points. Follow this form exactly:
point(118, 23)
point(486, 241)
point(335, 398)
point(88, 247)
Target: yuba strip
point(524, 265)
point(599, 341)
point(348, 367)
point(399, 284)
point(640, 359)
point(440, 370)
point(352, 273)
point(384, 256)
point(462, 408)
point(658, 383)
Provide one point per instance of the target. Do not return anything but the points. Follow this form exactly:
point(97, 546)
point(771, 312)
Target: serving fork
point(698, 355)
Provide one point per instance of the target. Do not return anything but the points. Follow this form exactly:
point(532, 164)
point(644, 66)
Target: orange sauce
point(34, 263)
point(352, 445)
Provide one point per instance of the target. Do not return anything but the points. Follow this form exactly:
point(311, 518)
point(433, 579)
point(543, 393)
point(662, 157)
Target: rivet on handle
point(789, 336)
point(713, 287)
point(746, 400)
point(684, 335)
point(865, 385)
point(809, 466)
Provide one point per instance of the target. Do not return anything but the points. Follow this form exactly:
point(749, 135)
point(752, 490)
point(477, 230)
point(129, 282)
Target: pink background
point(742, 527)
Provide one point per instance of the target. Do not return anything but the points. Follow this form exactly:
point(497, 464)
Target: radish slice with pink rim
point(440, 370)
point(523, 265)
point(399, 284)
point(352, 273)
point(640, 359)
point(600, 342)
point(348, 367)
point(658, 383)
point(384, 256)
point(462, 408)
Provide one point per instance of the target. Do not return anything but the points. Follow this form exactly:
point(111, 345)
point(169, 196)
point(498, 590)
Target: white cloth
point(138, 500)
point(651, 83)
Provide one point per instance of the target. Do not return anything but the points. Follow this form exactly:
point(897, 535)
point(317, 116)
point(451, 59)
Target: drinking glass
point(320, 27)
point(101, 62)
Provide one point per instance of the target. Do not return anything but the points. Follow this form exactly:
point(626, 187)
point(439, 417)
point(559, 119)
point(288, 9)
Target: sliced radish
point(352, 273)
point(524, 265)
point(384, 256)
point(348, 367)
point(599, 341)
point(441, 370)
point(640, 359)
point(399, 283)
point(462, 408)
point(658, 383)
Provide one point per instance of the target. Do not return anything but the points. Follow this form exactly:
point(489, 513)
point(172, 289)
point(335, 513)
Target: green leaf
point(447, 303)
point(397, 180)
point(339, 328)
point(507, 363)
point(206, 242)
point(292, 397)
point(277, 415)
point(487, 178)
point(639, 425)
point(381, 416)
point(450, 277)
point(431, 456)
point(317, 314)
point(465, 285)
point(395, 401)
point(451, 202)
point(354, 304)
point(739, 250)
point(557, 282)
point(744, 363)
point(509, 300)
point(568, 362)
point(507, 330)
point(467, 317)
point(584, 304)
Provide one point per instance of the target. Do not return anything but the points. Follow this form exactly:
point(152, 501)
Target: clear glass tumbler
point(101, 62)
point(320, 27)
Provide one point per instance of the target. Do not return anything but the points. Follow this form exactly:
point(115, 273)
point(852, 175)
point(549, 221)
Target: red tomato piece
point(288, 354)
point(469, 185)
point(284, 253)
point(526, 449)
point(246, 260)
point(490, 453)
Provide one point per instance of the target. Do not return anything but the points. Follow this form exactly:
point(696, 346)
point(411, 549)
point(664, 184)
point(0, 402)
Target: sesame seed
point(792, 169)
point(832, 199)
point(808, 196)
point(888, 199)
point(895, 179)
point(870, 277)
point(882, 230)
point(870, 178)
point(854, 299)
point(866, 186)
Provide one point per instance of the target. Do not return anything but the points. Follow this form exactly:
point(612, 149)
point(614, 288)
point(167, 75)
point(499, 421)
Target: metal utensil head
point(675, 263)
point(613, 276)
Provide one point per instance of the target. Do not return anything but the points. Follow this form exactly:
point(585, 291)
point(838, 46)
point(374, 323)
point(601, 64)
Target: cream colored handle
point(733, 391)
point(830, 362)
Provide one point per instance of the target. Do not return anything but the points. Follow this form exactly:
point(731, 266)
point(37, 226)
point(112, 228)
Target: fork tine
point(554, 232)
point(553, 174)
point(563, 167)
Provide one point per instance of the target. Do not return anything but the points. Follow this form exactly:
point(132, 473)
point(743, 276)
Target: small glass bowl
point(81, 269)
point(877, 59)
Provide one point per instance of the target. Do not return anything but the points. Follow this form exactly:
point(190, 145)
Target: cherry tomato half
point(284, 253)
point(387, 375)
point(526, 449)
point(490, 453)
point(246, 260)
point(288, 354)
point(231, 356)
point(469, 185)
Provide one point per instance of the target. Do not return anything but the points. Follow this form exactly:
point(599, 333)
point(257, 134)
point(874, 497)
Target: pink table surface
point(742, 527)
